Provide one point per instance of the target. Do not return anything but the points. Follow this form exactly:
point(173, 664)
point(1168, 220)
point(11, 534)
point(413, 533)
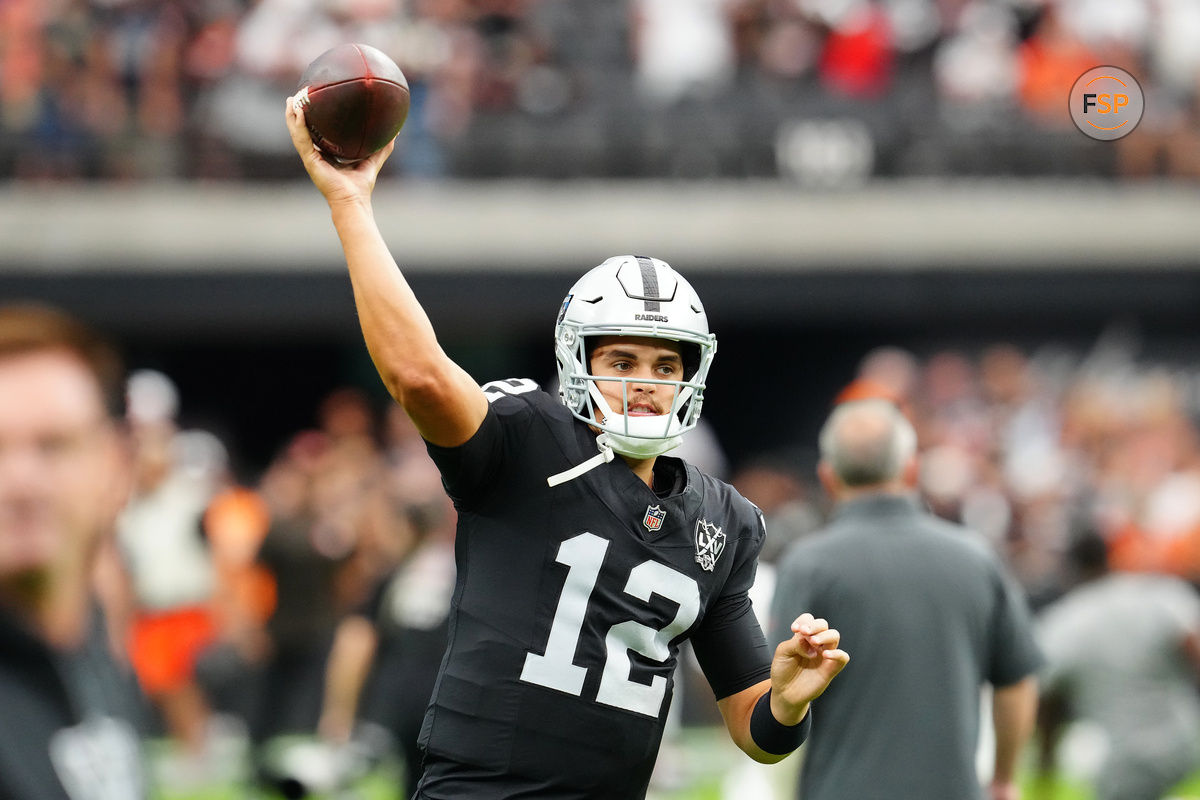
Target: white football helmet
point(633, 296)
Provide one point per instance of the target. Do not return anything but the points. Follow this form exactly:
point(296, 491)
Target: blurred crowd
point(274, 601)
point(825, 91)
point(252, 612)
point(1034, 448)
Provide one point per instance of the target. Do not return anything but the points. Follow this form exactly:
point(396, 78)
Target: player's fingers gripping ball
point(355, 100)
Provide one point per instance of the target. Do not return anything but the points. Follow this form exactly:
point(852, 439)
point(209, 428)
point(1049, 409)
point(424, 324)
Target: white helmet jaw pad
point(633, 296)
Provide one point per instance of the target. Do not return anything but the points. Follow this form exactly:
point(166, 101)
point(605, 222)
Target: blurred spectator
point(681, 49)
point(304, 550)
point(885, 372)
point(1138, 683)
point(858, 57)
point(316, 491)
point(975, 66)
point(1169, 142)
point(162, 539)
point(236, 522)
point(387, 651)
point(1049, 62)
point(72, 715)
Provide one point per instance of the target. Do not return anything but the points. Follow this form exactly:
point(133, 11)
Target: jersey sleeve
point(469, 469)
point(730, 645)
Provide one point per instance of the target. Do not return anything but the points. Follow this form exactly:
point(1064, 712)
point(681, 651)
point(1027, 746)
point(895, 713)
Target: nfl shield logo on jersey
point(710, 541)
point(654, 518)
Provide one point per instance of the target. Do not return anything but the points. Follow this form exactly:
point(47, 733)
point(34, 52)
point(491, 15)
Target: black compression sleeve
point(771, 735)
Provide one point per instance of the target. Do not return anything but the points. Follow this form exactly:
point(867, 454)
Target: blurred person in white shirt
point(160, 533)
point(1123, 653)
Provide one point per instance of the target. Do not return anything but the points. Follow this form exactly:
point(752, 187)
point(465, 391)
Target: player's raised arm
point(443, 401)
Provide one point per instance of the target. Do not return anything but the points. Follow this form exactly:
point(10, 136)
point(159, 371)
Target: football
point(355, 100)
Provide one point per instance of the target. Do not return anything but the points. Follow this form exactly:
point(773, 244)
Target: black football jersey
point(570, 606)
point(71, 721)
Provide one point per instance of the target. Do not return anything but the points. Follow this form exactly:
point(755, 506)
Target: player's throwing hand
point(344, 183)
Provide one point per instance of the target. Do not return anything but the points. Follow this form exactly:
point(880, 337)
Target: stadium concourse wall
point(246, 282)
point(811, 251)
point(864, 251)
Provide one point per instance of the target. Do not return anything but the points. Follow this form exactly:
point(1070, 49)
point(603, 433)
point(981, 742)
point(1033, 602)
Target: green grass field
point(704, 765)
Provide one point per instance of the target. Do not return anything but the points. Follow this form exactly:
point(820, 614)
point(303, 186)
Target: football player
point(585, 556)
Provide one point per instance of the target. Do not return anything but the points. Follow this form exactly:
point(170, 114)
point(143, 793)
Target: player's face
point(61, 470)
point(637, 358)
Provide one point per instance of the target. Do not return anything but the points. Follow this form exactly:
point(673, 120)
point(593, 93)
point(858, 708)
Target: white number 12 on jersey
point(583, 555)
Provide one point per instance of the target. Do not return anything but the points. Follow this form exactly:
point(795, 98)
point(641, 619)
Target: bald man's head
point(867, 443)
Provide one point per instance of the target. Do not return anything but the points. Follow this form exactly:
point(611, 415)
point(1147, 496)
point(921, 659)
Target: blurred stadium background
point(833, 175)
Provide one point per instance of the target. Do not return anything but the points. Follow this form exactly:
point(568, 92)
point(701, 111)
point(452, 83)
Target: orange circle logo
point(1107, 103)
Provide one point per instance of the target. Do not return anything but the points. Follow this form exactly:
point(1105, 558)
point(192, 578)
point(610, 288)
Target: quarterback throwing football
point(586, 556)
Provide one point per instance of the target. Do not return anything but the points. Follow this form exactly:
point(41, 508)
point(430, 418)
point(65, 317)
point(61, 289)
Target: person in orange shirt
point(1049, 63)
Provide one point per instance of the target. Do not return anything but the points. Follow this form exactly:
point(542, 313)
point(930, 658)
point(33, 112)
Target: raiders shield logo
point(654, 518)
point(710, 541)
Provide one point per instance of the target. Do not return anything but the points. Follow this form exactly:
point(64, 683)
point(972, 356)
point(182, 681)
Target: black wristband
point(771, 735)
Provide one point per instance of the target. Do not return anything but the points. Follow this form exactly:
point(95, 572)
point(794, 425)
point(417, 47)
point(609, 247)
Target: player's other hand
point(347, 183)
point(803, 667)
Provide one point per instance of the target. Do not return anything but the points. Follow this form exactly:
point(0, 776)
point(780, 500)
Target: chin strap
point(603, 457)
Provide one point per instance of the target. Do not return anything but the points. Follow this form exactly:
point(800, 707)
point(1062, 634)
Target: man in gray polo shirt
point(931, 615)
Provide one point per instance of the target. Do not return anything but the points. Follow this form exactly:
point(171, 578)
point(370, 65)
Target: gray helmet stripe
point(649, 282)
